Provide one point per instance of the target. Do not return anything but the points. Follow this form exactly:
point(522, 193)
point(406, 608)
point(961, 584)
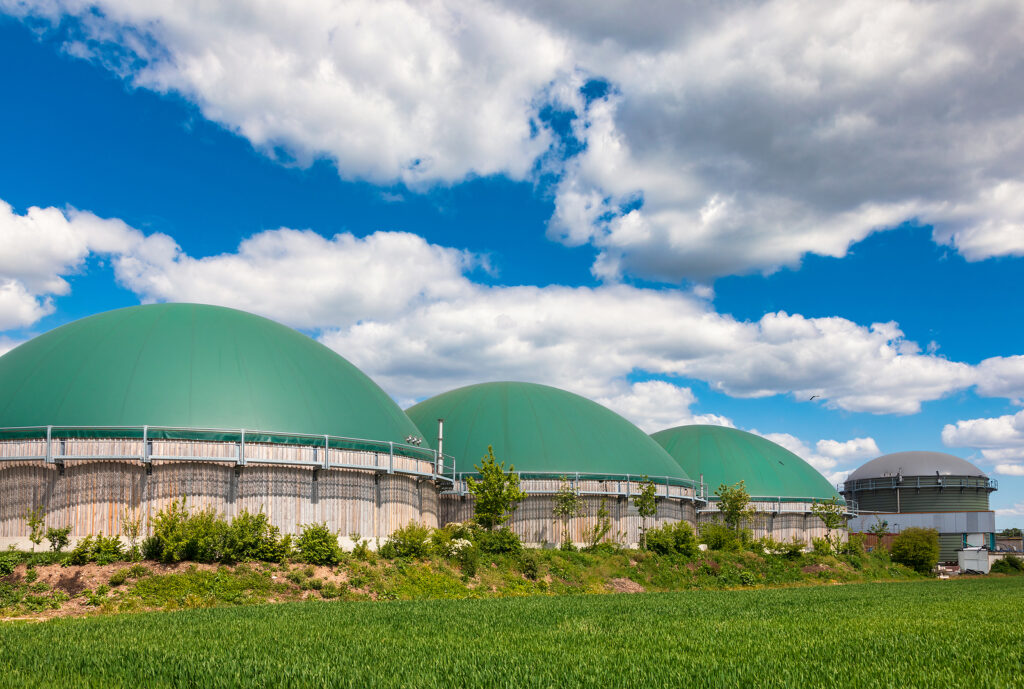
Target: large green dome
point(192, 366)
point(540, 429)
point(726, 455)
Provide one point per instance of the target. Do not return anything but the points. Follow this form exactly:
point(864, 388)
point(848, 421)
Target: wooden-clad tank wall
point(535, 523)
point(782, 526)
point(92, 495)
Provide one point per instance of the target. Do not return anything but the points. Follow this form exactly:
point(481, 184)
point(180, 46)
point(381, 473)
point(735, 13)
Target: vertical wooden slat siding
point(92, 495)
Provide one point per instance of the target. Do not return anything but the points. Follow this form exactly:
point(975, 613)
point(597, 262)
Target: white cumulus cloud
point(833, 458)
point(1000, 440)
point(409, 314)
point(731, 138)
point(42, 246)
point(655, 405)
point(303, 278)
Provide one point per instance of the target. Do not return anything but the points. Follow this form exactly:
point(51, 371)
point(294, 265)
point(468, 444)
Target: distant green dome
point(540, 429)
point(726, 455)
point(193, 366)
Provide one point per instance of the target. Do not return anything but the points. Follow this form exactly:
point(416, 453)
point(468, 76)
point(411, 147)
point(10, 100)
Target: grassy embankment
point(923, 634)
point(50, 590)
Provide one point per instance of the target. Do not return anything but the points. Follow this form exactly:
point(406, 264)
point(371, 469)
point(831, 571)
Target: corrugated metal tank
point(922, 500)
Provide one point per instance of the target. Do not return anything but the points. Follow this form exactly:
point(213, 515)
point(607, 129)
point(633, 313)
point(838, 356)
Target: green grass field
point(920, 634)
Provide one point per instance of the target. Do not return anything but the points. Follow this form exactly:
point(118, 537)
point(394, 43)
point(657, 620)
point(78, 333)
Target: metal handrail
point(574, 477)
point(894, 482)
point(851, 508)
point(239, 437)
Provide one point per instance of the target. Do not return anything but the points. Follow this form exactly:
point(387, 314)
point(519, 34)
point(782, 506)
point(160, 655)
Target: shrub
point(531, 565)
point(719, 537)
point(197, 536)
point(361, 550)
point(500, 541)
point(151, 548)
point(58, 538)
point(469, 560)
point(793, 549)
point(916, 548)
point(8, 561)
point(81, 553)
point(252, 537)
point(331, 590)
point(100, 549)
point(822, 546)
point(318, 545)
point(118, 577)
point(106, 550)
point(1009, 564)
point(409, 541)
point(855, 544)
point(138, 571)
point(674, 538)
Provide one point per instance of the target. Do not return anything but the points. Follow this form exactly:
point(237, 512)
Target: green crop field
point(927, 634)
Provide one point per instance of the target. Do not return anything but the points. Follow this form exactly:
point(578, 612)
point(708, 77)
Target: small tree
point(568, 504)
point(58, 538)
point(832, 514)
point(646, 506)
point(602, 527)
point(496, 493)
point(734, 503)
point(917, 548)
point(131, 527)
point(36, 521)
point(880, 529)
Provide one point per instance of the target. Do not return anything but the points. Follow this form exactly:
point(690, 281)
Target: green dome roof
point(540, 429)
point(726, 455)
point(193, 366)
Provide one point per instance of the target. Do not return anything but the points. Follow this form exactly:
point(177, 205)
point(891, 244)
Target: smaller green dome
point(727, 455)
point(540, 429)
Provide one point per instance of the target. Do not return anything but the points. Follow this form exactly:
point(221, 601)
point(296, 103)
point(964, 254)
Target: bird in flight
point(814, 397)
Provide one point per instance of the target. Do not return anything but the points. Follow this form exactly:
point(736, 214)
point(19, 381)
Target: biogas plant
point(123, 412)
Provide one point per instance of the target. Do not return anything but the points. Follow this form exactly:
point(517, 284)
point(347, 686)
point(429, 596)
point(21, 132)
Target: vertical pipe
point(327, 452)
point(49, 444)
point(440, 446)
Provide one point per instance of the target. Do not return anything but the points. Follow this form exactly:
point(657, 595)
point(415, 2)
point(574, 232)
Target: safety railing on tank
point(613, 485)
point(781, 504)
point(943, 482)
point(57, 444)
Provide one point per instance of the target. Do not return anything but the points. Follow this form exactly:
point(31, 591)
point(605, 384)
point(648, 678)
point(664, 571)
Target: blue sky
point(699, 218)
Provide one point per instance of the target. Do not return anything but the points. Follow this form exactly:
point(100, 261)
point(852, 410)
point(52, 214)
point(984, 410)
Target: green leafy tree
point(568, 504)
point(58, 538)
point(36, 521)
point(832, 514)
point(916, 548)
point(496, 493)
point(646, 506)
point(131, 528)
point(1012, 532)
point(602, 527)
point(734, 504)
point(880, 529)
